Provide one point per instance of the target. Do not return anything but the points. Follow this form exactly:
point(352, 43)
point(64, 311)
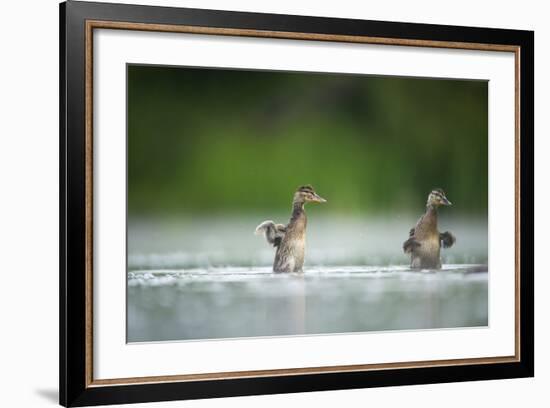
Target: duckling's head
point(306, 194)
point(436, 198)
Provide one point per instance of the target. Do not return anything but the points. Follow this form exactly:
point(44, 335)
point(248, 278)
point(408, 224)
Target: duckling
point(425, 241)
point(290, 239)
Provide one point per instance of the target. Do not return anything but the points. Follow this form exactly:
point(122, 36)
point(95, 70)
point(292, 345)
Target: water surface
point(211, 278)
point(248, 302)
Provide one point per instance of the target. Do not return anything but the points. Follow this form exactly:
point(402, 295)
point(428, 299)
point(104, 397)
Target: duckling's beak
point(319, 199)
point(445, 201)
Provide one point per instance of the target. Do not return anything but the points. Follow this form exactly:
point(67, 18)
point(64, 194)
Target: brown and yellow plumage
point(290, 239)
point(425, 240)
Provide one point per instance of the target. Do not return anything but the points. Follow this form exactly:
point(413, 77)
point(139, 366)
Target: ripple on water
point(166, 277)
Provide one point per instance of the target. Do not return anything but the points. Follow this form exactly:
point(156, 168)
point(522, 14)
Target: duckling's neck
point(298, 213)
point(431, 215)
point(430, 208)
point(297, 208)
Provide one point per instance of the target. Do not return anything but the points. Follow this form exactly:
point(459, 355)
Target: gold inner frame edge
point(93, 24)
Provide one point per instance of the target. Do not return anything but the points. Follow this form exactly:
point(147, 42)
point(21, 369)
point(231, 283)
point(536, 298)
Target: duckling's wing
point(447, 239)
point(280, 231)
point(410, 244)
point(272, 232)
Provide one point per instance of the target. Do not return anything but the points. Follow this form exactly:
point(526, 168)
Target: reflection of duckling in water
point(290, 240)
point(424, 243)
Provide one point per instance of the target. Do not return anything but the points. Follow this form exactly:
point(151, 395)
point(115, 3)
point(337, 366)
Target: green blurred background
point(228, 141)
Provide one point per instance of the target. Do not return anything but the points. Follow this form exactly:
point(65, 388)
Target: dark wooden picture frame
point(77, 22)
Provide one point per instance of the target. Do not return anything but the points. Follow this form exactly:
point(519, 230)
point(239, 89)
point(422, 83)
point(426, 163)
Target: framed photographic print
point(256, 203)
